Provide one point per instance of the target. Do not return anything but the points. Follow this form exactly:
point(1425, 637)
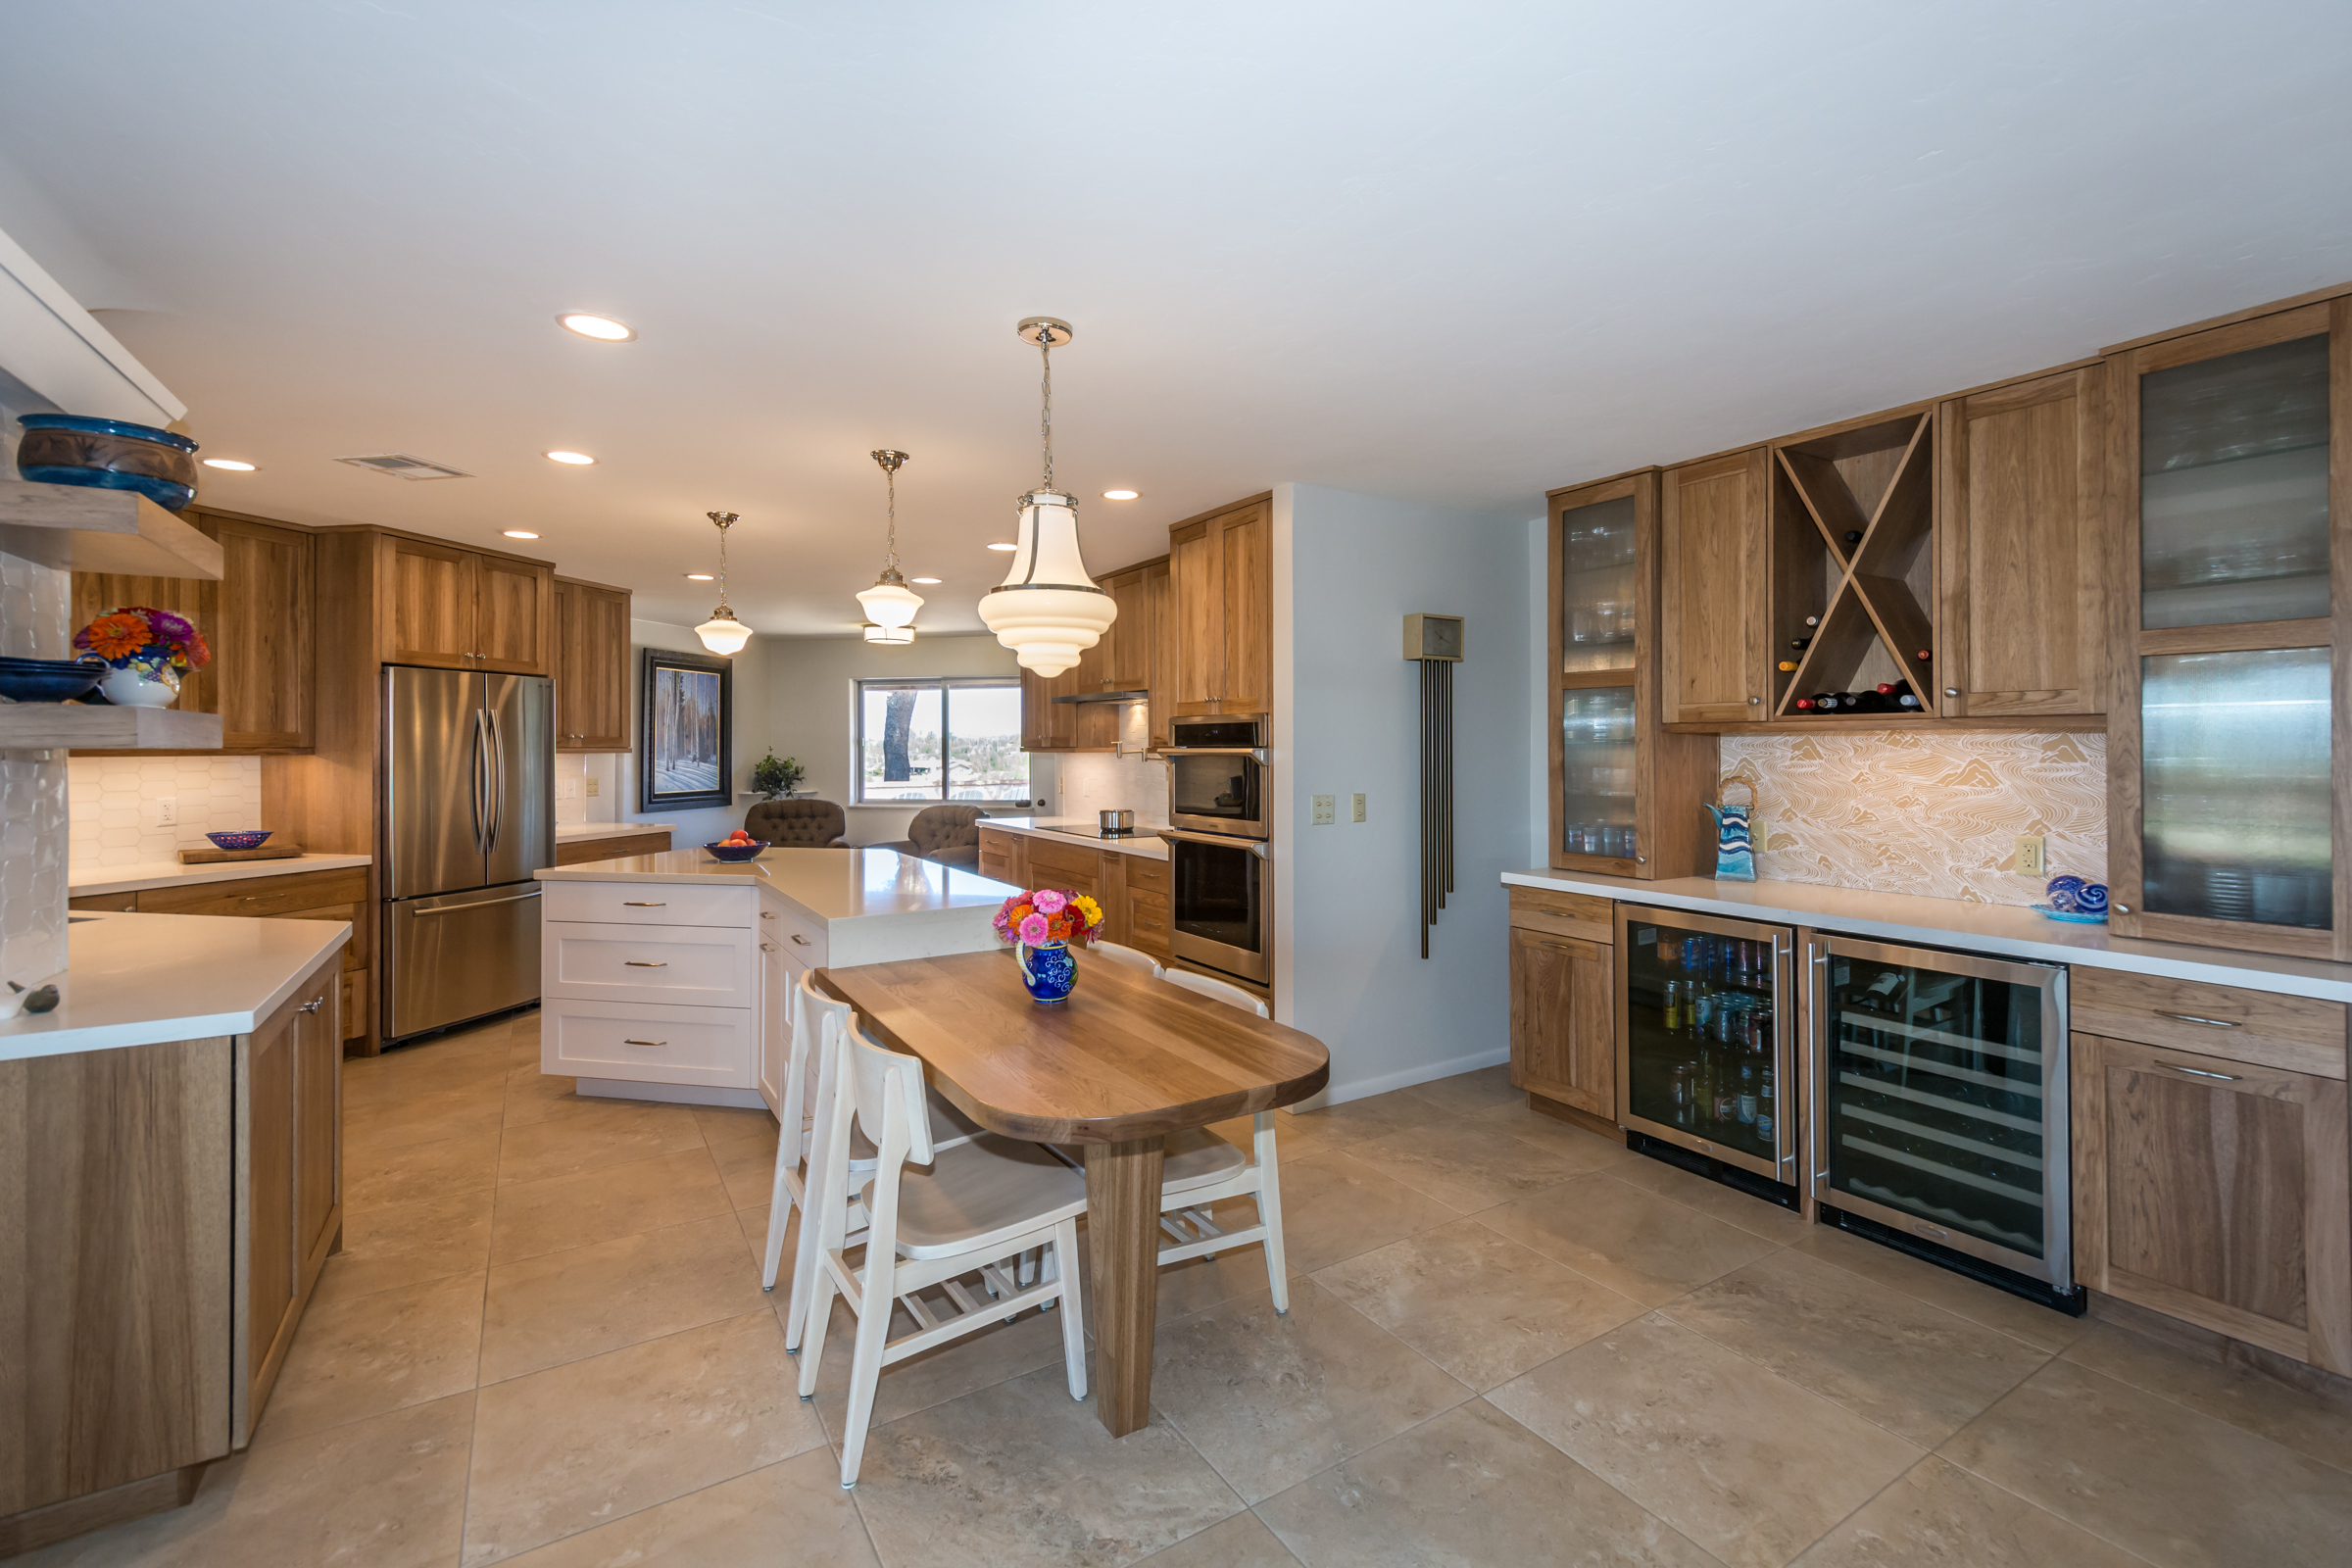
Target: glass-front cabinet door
point(2233, 444)
point(1705, 1037)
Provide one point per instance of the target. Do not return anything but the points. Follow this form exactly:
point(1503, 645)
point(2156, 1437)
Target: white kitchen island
point(668, 976)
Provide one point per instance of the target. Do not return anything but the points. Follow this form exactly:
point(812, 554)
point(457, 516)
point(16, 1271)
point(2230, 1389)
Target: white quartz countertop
point(2002, 930)
point(85, 881)
point(573, 832)
point(826, 885)
point(140, 979)
point(1145, 842)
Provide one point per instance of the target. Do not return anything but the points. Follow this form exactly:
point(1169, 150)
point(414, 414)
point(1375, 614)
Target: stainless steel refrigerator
point(469, 814)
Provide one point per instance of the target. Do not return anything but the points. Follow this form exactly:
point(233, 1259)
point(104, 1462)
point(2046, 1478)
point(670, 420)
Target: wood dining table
point(1126, 1060)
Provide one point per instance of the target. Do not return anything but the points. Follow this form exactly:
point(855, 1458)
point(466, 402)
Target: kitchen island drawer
point(803, 937)
point(710, 1046)
point(1579, 915)
point(2295, 1034)
point(650, 903)
point(709, 966)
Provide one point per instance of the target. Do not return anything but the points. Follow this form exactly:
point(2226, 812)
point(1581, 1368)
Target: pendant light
point(722, 634)
point(890, 604)
point(1048, 610)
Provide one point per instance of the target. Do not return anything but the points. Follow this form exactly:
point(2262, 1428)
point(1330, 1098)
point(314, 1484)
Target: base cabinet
point(2216, 1191)
point(1563, 1037)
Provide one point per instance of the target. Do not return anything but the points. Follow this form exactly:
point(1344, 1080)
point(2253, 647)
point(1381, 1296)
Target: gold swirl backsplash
point(1935, 814)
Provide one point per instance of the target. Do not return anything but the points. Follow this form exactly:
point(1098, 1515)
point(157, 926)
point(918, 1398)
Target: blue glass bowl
point(49, 680)
point(108, 455)
point(251, 838)
point(736, 853)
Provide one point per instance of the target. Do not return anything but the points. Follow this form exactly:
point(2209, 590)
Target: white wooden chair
point(816, 1019)
point(982, 1203)
point(1200, 1168)
point(1131, 958)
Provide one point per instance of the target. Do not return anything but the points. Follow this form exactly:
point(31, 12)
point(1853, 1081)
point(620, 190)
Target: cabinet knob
point(2121, 908)
point(1641, 860)
point(1951, 691)
point(1753, 700)
point(311, 1007)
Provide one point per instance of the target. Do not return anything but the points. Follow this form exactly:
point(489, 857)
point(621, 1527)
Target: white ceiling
point(1460, 252)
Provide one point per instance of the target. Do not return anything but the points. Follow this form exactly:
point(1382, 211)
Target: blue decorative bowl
point(736, 853)
point(251, 838)
point(108, 455)
point(2065, 892)
point(49, 680)
point(1049, 971)
point(2070, 916)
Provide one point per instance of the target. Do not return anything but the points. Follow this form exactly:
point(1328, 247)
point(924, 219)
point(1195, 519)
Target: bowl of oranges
point(736, 847)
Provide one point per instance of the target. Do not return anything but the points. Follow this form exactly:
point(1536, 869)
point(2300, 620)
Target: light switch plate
point(1359, 806)
point(593, 782)
point(2032, 858)
point(1324, 814)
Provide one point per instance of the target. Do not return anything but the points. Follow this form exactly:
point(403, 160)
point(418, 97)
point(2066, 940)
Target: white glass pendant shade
point(1048, 610)
point(722, 634)
point(895, 636)
point(891, 603)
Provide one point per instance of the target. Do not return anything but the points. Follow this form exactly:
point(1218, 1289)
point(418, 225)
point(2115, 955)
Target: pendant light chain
point(1044, 351)
point(724, 521)
point(889, 546)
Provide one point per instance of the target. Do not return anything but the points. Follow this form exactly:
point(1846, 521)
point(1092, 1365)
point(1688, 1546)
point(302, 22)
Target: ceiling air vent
point(400, 466)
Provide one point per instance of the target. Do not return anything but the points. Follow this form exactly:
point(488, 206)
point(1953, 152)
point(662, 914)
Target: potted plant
point(775, 778)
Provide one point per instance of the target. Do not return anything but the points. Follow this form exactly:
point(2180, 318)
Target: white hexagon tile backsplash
point(115, 804)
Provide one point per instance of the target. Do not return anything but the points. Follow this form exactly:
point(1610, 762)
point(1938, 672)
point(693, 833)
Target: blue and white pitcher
point(1735, 856)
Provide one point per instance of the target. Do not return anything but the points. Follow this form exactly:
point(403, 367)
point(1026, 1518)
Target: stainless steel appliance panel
point(1939, 1099)
point(460, 956)
point(518, 713)
point(1219, 904)
point(1707, 1037)
point(1217, 777)
point(436, 784)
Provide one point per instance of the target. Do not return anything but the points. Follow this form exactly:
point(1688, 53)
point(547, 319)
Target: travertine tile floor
point(1509, 1342)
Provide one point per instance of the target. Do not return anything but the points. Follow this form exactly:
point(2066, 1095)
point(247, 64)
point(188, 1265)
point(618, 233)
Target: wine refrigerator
point(1940, 1105)
point(1707, 1036)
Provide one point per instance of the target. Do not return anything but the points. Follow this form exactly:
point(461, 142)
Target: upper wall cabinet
point(2023, 564)
point(2230, 459)
point(258, 619)
point(592, 668)
point(1222, 568)
point(465, 609)
point(1714, 603)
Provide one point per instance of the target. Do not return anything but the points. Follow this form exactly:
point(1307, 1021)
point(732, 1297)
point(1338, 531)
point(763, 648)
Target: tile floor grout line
point(2067, 1355)
point(2007, 1492)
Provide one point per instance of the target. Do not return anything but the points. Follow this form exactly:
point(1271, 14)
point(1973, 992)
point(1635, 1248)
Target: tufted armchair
point(798, 824)
point(946, 834)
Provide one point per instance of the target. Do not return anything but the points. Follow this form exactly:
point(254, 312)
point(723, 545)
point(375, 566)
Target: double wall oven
point(1219, 886)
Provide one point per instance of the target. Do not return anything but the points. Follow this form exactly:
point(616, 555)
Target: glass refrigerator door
point(1941, 1099)
point(1705, 1036)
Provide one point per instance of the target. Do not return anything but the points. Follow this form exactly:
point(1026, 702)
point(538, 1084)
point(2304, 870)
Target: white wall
point(1348, 568)
point(750, 686)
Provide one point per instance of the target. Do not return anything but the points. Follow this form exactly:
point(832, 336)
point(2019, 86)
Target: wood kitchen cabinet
point(592, 666)
point(1714, 589)
point(2021, 547)
point(460, 608)
point(1045, 724)
point(1136, 654)
point(1000, 856)
point(1133, 888)
point(1221, 567)
point(290, 1178)
point(1563, 1035)
point(257, 620)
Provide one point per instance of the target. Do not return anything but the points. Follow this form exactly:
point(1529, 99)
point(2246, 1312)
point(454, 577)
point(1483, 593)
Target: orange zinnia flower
point(118, 636)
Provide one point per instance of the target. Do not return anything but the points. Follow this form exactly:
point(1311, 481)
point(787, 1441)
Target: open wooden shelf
point(43, 726)
point(72, 527)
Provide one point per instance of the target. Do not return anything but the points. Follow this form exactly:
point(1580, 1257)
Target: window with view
point(940, 740)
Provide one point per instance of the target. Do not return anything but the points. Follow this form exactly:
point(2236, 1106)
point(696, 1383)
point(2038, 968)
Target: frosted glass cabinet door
point(1597, 586)
point(1597, 771)
point(2235, 786)
point(2233, 487)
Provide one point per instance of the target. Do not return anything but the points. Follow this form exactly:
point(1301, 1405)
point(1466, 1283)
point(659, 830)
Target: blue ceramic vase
point(1049, 971)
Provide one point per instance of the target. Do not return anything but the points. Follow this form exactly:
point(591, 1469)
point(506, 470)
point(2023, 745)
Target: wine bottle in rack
point(1812, 620)
point(1804, 705)
point(1788, 664)
point(1924, 656)
point(1801, 644)
point(1853, 536)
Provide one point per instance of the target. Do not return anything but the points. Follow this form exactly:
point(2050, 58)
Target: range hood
point(1106, 696)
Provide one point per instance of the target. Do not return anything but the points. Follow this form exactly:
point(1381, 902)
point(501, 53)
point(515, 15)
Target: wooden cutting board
point(273, 851)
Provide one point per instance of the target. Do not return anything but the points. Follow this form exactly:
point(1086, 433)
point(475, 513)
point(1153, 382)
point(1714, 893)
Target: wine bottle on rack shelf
point(1801, 644)
point(1788, 664)
point(1924, 656)
point(1853, 536)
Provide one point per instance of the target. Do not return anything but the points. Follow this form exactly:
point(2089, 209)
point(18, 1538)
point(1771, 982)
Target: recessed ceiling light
point(521, 533)
point(1120, 494)
point(603, 329)
point(230, 463)
point(1004, 544)
point(699, 576)
point(925, 581)
point(577, 460)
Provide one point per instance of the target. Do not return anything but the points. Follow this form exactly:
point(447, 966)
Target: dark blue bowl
point(250, 838)
point(737, 854)
point(108, 455)
point(48, 680)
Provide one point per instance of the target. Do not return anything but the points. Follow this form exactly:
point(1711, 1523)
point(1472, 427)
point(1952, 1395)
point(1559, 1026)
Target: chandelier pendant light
point(1048, 610)
point(890, 604)
point(722, 634)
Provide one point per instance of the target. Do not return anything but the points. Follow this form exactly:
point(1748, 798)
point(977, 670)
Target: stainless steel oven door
point(1217, 774)
point(1219, 904)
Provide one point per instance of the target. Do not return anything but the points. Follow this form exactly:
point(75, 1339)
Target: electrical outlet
point(1324, 814)
point(1359, 806)
point(593, 784)
point(164, 812)
point(2032, 858)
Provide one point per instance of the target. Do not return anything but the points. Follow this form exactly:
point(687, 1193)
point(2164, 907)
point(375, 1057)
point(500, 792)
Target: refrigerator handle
point(1817, 966)
point(498, 781)
point(481, 781)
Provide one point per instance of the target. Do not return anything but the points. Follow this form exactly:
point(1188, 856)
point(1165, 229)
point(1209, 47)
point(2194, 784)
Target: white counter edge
point(1145, 844)
point(29, 1040)
point(137, 880)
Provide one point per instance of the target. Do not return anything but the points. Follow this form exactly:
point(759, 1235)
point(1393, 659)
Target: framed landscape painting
point(684, 756)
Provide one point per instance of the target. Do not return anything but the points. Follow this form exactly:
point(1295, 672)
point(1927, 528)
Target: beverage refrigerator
point(1706, 1038)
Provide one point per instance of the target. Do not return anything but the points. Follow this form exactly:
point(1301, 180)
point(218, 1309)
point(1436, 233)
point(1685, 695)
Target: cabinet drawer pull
point(641, 964)
point(801, 940)
point(311, 1007)
point(2199, 1073)
point(768, 914)
point(2191, 1017)
point(634, 904)
point(769, 947)
point(645, 1042)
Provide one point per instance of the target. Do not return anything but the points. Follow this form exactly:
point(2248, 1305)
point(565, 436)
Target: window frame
point(943, 684)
